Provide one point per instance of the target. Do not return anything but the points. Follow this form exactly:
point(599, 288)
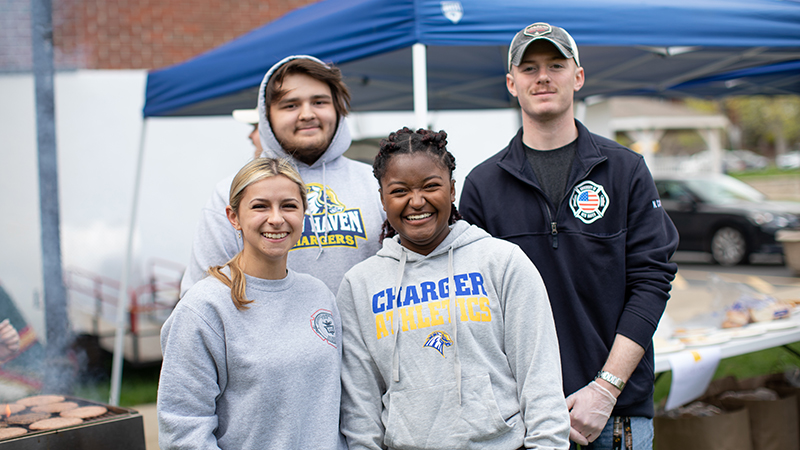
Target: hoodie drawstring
point(325, 211)
point(396, 324)
point(454, 320)
point(316, 233)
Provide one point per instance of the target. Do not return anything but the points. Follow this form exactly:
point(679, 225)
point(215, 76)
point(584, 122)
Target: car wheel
point(728, 247)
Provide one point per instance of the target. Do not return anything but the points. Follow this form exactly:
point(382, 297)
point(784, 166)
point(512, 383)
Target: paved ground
point(148, 413)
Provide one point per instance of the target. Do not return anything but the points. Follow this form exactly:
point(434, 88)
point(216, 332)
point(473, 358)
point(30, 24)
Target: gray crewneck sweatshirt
point(342, 224)
point(476, 367)
point(262, 378)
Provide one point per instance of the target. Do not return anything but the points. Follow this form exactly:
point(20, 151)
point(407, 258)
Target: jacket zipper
point(553, 223)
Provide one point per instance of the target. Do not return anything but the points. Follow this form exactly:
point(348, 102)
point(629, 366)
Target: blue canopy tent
point(778, 79)
point(627, 46)
point(433, 54)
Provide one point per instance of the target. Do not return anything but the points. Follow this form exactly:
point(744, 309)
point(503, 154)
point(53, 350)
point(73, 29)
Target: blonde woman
point(252, 353)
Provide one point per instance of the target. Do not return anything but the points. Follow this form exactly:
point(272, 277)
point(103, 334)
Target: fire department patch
point(589, 201)
point(322, 324)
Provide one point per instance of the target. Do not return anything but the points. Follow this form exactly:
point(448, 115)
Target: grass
point(772, 360)
point(770, 171)
point(139, 386)
point(139, 382)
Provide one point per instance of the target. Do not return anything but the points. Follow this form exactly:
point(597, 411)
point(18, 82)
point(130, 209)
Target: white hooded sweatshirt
point(342, 224)
point(475, 367)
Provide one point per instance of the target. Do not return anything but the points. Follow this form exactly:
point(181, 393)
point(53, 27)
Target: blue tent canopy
point(781, 78)
point(627, 46)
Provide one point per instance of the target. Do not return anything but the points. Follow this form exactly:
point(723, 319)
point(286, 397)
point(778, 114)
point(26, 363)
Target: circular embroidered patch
point(588, 201)
point(322, 324)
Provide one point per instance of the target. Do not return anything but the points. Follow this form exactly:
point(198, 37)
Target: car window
point(724, 190)
point(672, 190)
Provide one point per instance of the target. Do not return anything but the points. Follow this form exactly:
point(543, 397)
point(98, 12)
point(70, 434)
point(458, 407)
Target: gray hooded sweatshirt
point(475, 367)
point(342, 224)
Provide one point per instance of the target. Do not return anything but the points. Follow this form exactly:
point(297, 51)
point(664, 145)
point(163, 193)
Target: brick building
point(131, 34)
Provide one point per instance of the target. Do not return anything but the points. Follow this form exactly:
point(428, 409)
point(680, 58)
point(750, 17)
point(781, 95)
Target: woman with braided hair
point(448, 336)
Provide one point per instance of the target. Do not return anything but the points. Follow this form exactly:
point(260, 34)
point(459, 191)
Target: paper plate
point(780, 324)
point(701, 341)
point(670, 346)
point(744, 332)
point(681, 333)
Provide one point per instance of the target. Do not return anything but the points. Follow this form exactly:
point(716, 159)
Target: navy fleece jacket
point(603, 252)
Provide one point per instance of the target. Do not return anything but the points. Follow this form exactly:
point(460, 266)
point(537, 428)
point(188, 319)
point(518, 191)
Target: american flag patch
point(588, 201)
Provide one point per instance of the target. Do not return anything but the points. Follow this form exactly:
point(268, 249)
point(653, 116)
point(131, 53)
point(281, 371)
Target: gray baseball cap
point(540, 30)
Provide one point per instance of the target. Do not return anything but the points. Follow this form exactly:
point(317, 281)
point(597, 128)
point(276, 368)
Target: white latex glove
point(9, 340)
point(589, 410)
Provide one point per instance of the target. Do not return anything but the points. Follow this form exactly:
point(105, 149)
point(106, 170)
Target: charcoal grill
point(119, 428)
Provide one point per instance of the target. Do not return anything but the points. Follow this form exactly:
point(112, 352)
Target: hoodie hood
point(461, 234)
point(341, 138)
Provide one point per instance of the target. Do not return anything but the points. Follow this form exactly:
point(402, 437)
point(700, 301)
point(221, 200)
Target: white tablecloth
point(740, 346)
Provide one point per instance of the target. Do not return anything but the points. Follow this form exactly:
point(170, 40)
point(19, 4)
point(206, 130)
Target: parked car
point(732, 161)
point(789, 160)
point(721, 215)
point(751, 160)
point(701, 162)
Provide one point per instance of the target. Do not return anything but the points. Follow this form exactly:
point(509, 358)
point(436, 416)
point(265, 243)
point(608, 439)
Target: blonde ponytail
point(237, 282)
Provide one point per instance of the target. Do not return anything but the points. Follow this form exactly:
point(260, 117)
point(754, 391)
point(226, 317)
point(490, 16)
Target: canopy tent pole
point(420, 67)
point(56, 377)
point(122, 298)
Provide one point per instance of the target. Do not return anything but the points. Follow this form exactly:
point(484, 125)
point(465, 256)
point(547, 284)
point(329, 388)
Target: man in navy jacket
point(586, 211)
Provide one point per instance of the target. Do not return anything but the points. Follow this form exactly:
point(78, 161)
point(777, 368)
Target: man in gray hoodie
point(302, 108)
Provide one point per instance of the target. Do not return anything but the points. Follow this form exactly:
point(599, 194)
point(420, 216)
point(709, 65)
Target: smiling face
point(417, 194)
point(304, 118)
point(270, 217)
point(544, 82)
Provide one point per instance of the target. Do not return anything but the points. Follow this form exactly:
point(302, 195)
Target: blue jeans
point(641, 429)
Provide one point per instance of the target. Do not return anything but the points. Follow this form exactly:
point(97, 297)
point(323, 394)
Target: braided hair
point(405, 141)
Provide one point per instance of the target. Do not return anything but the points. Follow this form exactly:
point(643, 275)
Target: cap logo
point(453, 11)
point(538, 29)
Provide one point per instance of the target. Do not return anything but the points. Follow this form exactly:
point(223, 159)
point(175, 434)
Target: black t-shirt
point(552, 168)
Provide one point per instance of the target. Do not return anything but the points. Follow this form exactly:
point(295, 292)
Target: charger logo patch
point(438, 340)
point(326, 213)
point(322, 324)
point(588, 202)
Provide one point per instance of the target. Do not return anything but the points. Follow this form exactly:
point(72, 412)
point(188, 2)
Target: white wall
point(98, 125)
point(20, 252)
point(597, 118)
